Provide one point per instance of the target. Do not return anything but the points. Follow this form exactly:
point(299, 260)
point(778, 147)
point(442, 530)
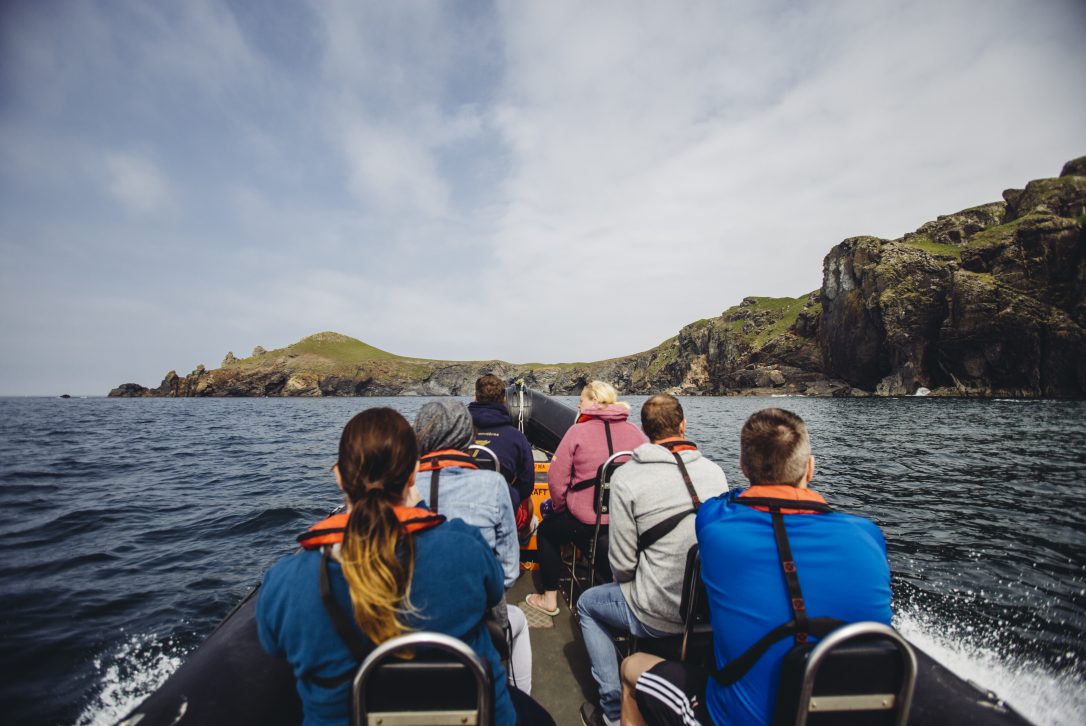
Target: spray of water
point(127, 675)
point(1045, 696)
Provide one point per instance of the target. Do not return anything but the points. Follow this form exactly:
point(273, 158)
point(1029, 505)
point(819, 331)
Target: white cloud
point(136, 182)
point(392, 170)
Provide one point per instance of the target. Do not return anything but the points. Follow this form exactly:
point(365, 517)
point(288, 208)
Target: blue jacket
point(842, 568)
point(495, 430)
point(456, 580)
point(479, 498)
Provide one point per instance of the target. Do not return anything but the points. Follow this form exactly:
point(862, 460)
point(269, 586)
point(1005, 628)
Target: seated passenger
point(391, 568)
point(839, 558)
point(600, 431)
point(454, 486)
point(494, 429)
point(653, 500)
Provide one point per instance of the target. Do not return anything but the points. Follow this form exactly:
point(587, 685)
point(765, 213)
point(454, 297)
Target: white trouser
point(520, 651)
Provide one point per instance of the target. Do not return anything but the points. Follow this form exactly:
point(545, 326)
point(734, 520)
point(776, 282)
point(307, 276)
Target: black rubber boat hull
point(545, 419)
point(230, 680)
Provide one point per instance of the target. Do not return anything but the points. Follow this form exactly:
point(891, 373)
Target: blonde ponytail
point(377, 456)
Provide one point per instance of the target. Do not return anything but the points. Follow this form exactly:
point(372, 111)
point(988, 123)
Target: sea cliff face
point(989, 301)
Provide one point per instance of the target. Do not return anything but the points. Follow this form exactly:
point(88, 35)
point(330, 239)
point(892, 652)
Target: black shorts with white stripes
point(673, 693)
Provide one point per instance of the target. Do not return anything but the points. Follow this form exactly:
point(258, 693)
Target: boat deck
point(561, 678)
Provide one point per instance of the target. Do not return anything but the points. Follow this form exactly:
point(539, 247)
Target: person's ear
point(339, 477)
point(411, 479)
point(682, 427)
point(810, 471)
point(743, 468)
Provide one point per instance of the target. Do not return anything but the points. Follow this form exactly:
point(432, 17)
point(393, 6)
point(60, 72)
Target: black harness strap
point(738, 667)
point(586, 483)
point(345, 628)
point(791, 578)
point(658, 531)
point(801, 626)
point(434, 474)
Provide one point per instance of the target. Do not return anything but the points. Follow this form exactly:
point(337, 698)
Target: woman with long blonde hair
point(382, 568)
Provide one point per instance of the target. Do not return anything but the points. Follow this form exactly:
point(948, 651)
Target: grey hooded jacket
point(645, 491)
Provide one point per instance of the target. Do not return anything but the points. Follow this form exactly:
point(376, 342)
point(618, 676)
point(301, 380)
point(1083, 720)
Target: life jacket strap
point(801, 626)
point(738, 667)
point(341, 620)
point(593, 481)
point(434, 475)
point(661, 529)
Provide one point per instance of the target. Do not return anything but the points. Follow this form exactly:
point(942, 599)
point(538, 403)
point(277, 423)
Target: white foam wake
point(1044, 696)
point(128, 675)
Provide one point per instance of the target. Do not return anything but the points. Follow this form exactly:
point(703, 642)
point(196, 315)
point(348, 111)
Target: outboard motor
point(544, 420)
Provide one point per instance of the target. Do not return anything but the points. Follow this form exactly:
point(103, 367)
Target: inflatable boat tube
point(544, 420)
point(230, 680)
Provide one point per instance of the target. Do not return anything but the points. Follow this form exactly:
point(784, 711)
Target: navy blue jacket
point(841, 562)
point(496, 431)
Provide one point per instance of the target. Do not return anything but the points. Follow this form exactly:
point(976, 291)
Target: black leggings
point(562, 528)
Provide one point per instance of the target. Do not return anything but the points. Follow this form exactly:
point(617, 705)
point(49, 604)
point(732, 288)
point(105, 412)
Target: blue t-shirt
point(842, 568)
point(456, 579)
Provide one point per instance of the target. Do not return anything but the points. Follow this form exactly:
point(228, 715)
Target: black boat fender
point(543, 419)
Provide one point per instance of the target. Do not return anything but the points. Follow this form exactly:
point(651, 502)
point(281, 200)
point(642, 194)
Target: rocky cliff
point(988, 301)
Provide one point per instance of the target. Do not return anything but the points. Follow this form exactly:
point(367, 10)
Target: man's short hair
point(661, 416)
point(774, 447)
point(490, 389)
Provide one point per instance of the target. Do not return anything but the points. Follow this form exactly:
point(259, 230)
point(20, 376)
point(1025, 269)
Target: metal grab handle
point(490, 453)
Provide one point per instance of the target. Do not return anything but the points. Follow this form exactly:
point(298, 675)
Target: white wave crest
point(128, 675)
point(1044, 696)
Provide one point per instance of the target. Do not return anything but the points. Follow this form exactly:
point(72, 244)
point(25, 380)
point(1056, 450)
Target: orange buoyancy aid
point(330, 531)
point(446, 458)
point(435, 461)
point(677, 443)
point(782, 491)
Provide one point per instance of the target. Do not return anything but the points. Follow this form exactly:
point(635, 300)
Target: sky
point(530, 181)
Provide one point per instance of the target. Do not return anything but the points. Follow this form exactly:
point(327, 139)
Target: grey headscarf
point(444, 424)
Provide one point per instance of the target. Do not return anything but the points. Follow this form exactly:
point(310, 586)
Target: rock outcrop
point(988, 301)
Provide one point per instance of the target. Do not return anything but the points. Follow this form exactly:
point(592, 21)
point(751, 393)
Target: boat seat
point(695, 643)
point(697, 638)
point(861, 673)
point(597, 545)
point(444, 684)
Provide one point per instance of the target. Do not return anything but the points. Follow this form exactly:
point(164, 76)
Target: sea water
point(130, 527)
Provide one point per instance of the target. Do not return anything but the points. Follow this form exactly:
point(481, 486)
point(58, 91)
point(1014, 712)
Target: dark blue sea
point(130, 527)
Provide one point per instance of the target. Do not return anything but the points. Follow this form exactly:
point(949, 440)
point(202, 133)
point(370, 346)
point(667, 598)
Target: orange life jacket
point(330, 530)
point(677, 443)
point(446, 458)
point(782, 491)
point(435, 461)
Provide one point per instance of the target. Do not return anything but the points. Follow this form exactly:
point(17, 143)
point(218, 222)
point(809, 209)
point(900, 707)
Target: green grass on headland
point(933, 248)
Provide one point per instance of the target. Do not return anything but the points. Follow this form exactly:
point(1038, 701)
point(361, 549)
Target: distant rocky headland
point(989, 301)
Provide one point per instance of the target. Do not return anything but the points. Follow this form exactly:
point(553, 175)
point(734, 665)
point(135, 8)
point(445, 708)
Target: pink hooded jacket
point(582, 450)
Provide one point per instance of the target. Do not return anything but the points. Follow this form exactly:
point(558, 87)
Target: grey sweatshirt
point(646, 490)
